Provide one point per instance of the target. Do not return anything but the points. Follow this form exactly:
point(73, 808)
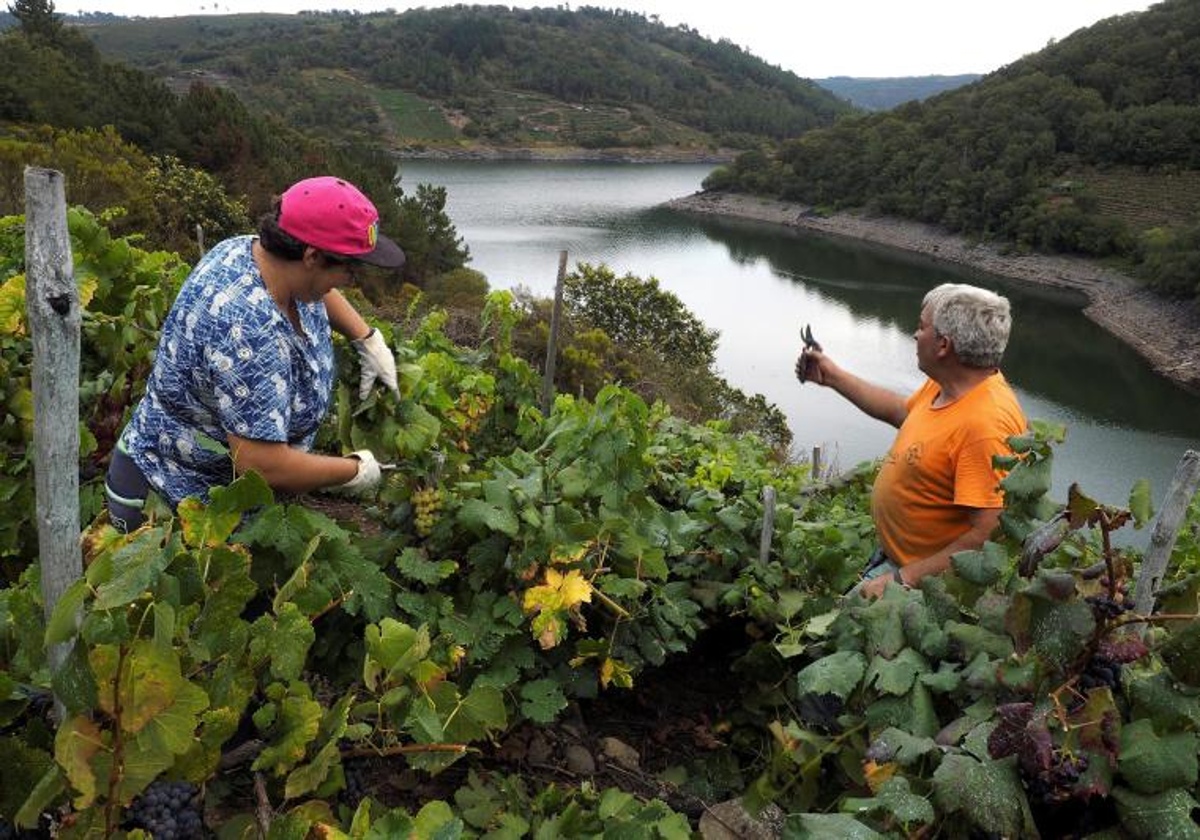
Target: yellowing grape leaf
point(12, 306)
point(559, 591)
point(77, 741)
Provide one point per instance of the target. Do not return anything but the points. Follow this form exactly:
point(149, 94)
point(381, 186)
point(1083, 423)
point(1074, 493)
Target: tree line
point(1002, 158)
point(463, 56)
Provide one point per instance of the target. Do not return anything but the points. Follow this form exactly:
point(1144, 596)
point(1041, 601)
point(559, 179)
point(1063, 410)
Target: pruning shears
point(810, 343)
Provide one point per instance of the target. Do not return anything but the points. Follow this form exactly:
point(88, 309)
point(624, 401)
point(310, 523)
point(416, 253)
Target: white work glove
point(377, 362)
point(367, 477)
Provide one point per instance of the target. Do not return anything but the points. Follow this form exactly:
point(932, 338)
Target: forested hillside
point(589, 77)
point(1078, 148)
point(880, 94)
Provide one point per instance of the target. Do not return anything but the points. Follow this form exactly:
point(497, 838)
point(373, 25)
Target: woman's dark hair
point(275, 240)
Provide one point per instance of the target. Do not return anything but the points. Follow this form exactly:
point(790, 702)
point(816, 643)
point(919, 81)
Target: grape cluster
point(356, 782)
point(1106, 608)
point(1056, 783)
point(427, 502)
point(169, 811)
point(1101, 671)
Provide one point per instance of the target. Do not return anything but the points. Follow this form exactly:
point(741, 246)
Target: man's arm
point(289, 469)
point(982, 521)
point(871, 399)
point(345, 318)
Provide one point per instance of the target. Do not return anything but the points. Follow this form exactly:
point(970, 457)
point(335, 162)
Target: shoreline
point(1162, 331)
point(565, 154)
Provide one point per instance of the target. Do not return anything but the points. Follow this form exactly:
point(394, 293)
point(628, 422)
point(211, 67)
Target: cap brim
point(387, 254)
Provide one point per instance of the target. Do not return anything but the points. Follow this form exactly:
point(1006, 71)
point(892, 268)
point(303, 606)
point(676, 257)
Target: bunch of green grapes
point(428, 502)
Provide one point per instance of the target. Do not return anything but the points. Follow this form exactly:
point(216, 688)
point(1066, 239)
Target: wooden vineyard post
point(200, 240)
point(1165, 530)
point(552, 342)
point(768, 528)
point(52, 306)
point(816, 463)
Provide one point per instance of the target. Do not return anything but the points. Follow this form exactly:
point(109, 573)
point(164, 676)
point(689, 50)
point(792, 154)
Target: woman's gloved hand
point(377, 362)
point(367, 477)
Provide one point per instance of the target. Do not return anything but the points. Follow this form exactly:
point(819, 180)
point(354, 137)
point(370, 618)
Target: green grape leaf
point(897, 745)
point(1181, 653)
point(988, 793)
point(435, 821)
point(296, 726)
point(23, 766)
point(413, 564)
point(47, 789)
point(63, 621)
point(417, 430)
point(827, 827)
point(1166, 815)
point(1141, 504)
point(1152, 764)
point(285, 641)
point(135, 568)
point(896, 676)
point(838, 674)
point(542, 700)
point(481, 516)
point(1029, 479)
point(393, 649)
point(208, 526)
point(1155, 698)
point(982, 567)
point(896, 798)
point(308, 777)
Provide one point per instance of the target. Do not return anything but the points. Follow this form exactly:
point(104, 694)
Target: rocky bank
point(1165, 332)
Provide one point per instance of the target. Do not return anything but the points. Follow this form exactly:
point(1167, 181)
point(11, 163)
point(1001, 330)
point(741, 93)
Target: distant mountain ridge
point(589, 77)
point(884, 93)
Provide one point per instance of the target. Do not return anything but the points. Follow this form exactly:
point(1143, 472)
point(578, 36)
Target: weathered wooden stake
point(816, 463)
point(52, 307)
point(200, 240)
point(1165, 530)
point(768, 529)
point(552, 343)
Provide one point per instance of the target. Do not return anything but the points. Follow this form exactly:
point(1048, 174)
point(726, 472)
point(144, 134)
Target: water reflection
point(1053, 353)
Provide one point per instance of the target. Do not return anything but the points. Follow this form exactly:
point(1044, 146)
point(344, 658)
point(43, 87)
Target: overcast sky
point(814, 38)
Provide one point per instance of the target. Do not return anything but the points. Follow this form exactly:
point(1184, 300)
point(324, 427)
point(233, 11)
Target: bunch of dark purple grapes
point(1100, 672)
point(8, 831)
point(1056, 783)
point(169, 811)
point(1105, 608)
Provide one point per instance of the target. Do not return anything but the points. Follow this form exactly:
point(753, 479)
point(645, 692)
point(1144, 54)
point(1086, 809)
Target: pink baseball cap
point(332, 215)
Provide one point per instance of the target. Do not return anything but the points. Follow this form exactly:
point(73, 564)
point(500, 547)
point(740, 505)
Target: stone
point(579, 760)
point(618, 751)
point(730, 821)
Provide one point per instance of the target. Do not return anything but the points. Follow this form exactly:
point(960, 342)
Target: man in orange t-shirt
point(937, 492)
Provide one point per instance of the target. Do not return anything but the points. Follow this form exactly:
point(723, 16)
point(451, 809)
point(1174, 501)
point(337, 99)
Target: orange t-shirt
point(941, 465)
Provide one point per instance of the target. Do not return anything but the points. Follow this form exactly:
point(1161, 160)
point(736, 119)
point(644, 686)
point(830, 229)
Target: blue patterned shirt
point(228, 360)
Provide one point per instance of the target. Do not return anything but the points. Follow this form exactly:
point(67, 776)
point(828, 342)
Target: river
point(759, 284)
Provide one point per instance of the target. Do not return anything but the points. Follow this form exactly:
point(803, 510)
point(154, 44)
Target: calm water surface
point(759, 285)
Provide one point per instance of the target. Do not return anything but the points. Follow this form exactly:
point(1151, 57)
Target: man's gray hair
point(975, 320)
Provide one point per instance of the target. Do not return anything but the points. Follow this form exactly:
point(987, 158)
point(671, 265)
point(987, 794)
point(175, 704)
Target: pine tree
point(37, 18)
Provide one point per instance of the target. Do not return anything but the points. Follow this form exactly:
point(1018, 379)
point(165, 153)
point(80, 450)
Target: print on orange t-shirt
point(940, 466)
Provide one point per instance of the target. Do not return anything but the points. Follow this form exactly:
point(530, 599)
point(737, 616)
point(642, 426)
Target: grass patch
point(413, 117)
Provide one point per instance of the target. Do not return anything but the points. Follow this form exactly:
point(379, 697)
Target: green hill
point(880, 94)
point(1090, 146)
point(589, 77)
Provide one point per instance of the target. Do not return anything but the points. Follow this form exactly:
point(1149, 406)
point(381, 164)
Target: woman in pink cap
point(245, 358)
